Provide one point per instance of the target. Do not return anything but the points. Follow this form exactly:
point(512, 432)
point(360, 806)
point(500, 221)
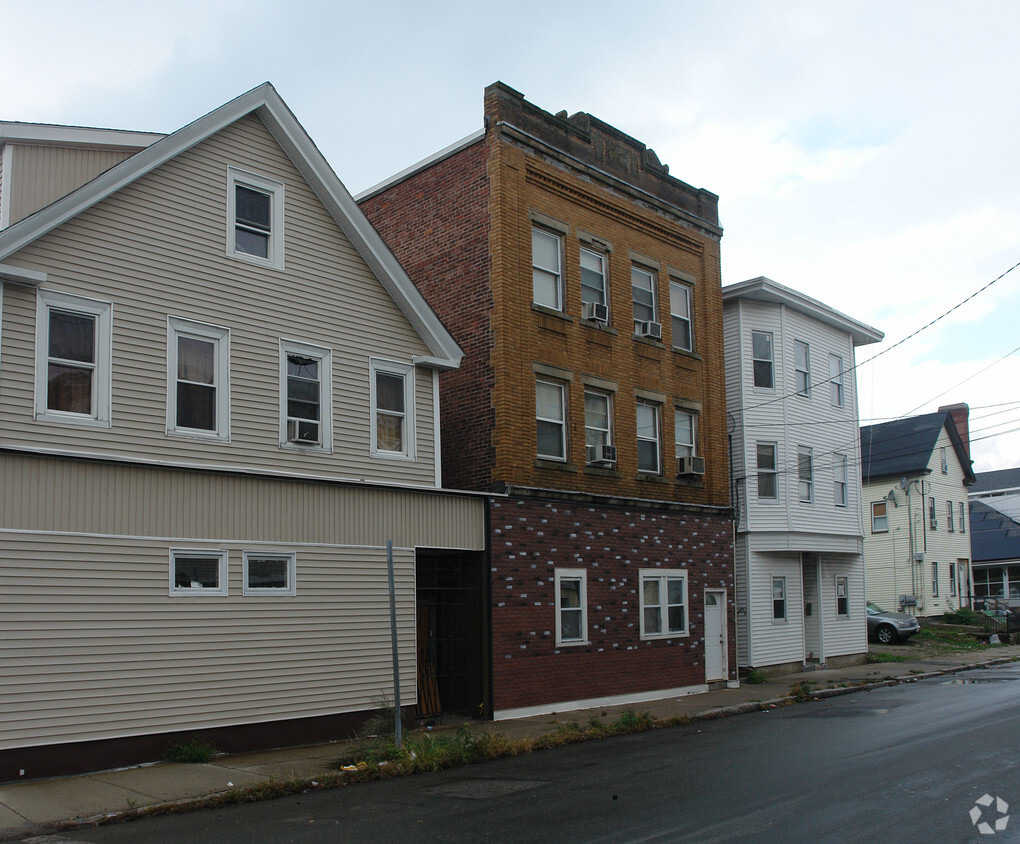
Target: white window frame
point(781, 582)
point(652, 277)
point(953, 575)
point(102, 366)
point(221, 555)
point(805, 481)
point(963, 524)
point(405, 371)
point(770, 360)
point(836, 380)
point(663, 576)
point(680, 293)
point(607, 432)
point(944, 459)
point(325, 358)
point(843, 584)
point(178, 327)
point(802, 368)
point(656, 409)
point(556, 273)
point(880, 519)
point(935, 580)
point(242, 178)
point(580, 575)
point(601, 272)
point(561, 422)
point(839, 480)
point(289, 558)
point(683, 448)
point(933, 517)
point(773, 472)
point(950, 521)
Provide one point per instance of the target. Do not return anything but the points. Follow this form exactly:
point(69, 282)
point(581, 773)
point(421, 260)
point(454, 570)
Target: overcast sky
point(864, 153)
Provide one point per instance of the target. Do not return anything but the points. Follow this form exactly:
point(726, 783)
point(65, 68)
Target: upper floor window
point(547, 269)
point(963, 524)
point(685, 433)
point(805, 474)
point(73, 359)
point(198, 380)
point(836, 380)
point(392, 409)
point(642, 284)
point(879, 517)
point(839, 479)
point(593, 278)
point(934, 580)
point(802, 368)
point(254, 218)
point(949, 517)
point(305, 400)
point(597, 419)
point(571, 606)
point(944, 459)
point(680, 311)
point(768, 487)
point(649, 437)
point(761, 351)
point(551, 419)
point(933, 519)
point(663, 603)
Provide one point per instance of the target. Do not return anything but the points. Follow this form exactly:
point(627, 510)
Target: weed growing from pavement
point(881, 657)
point(193, 750)
point(755, 677)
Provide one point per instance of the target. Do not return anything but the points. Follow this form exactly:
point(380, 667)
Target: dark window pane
point(196, 573)
point(300, 389)
point(550, 439)
point(653, 620)
point(72, 336)
point(763, 373)
point(303, 367)
point(195, 360)
point(648, 456)
point(267, 574)
point(196, 406)
point(389, 392)
point(252, 208)
point(676, 619)
point(251, 243)
point(69, 388)
point(570, 625)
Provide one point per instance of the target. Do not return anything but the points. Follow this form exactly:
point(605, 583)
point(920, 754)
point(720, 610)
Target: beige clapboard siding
point(118, 657)
point(157, 248)
point(773, 642)
point(844, 634)
point(52, 494)
point(42, 174)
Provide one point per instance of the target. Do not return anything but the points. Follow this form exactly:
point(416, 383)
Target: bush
point(963, 616)
point(755, 677)
point(196, 750)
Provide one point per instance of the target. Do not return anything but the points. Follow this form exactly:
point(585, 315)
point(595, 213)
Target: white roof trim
point(269, 106)
point(46, 133)
point(19, 275)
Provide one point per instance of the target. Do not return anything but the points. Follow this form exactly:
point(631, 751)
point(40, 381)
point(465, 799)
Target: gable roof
point(267, 104)
point(997, 480)
point(904, 447)
point(994, 536)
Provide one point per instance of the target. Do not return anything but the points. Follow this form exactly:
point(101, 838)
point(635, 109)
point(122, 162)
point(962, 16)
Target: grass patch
point(195, 750)
point(964, 615)
point(873, 658)
point(755, 677)
point(949, 640)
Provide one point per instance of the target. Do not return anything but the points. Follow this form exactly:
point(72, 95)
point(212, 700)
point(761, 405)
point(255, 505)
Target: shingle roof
point(996, 480)
point(903, 447)
point(994, 536)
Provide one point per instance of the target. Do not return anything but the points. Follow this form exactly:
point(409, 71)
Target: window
point(950, 526)
point(842, 596)
point(198, 572)
point(779, 598)
point(963, 524)
point(198, 367)
point(933, 519)
point(663, 603)
point(802, 368)
point(269, 574)
point(392, 409)
point(550, 416)
point(680, 311)
point(944, 459)
point(254, 218)
point(761, 351)
point(836, 380)
point(768, 486)
point(73, 363)
point(839, 480)
point(597, 418)
point(642, 284)
point(879, 517)
point(546, 270)
point(593, 278)
point(648, 437)
point(934, 580)
point(805, 474)
point(305, 396)
point(952, 580)
point(571, 606)
point(685, 433)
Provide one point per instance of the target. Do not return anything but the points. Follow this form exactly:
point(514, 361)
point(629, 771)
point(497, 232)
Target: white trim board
point(593, 702)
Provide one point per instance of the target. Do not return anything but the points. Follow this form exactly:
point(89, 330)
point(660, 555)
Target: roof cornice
point(47, 134)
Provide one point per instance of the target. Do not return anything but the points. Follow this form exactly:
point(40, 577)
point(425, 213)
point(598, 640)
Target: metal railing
point(998, 614)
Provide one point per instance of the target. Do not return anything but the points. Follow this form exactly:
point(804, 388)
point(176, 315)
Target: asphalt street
point(899, 764)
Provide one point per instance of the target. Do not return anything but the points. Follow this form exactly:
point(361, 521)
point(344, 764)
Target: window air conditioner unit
point(601, 454)
point(595, 312)
point(690, 466)
point(650, 329)
point(302, 431)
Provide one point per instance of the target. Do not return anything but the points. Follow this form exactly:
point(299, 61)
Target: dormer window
point(254, 218)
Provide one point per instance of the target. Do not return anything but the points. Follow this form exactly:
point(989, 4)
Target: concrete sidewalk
point(34, 808)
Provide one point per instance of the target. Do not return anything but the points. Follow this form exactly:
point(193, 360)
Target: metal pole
point(397, 726)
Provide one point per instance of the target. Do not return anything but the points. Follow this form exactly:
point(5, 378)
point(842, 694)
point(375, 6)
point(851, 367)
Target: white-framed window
point(952, 580)
point(547, 269)
point(762, 359)
point(805, 474)
point(879, 517)
point(779, 599)
point(768, 481)
point(963, 524)
point(198, 572)
point(663, 603)
point(944, 459)
point(836, 380)
point(950, 521)
point(198, 379)
point(551, 419)
point(842, 596)
point(270, 573)
point(571, 606)
point(933, 519)
point(393, 426)
point(305, 396)
point(598, 418)
point(73, 359)
point(254, 218)
point(593, 278)
point(839, 465)
point(680, 311)
point(802, 368)
point(649, 432)
point(934, 580)
point(685, 432)
point(642, 284)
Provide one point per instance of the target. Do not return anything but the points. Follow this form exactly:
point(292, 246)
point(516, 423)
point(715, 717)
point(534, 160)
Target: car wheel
point(886, 634)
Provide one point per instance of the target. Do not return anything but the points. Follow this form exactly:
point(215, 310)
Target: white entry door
point(715, 635)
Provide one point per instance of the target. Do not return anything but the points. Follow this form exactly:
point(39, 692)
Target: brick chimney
point(960, 414)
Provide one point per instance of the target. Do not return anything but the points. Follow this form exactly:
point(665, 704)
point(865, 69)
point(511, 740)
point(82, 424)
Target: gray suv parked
point(889, 627)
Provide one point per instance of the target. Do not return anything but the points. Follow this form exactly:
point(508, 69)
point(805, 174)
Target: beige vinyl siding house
point(177, 554)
